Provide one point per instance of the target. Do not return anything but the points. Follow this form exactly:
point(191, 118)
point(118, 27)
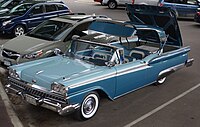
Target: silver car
point(52, 35)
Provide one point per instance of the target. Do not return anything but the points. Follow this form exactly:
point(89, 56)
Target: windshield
point(93, 53)
point(20, 9)
point(50, 30)
point(8, 4)
point(3, 3)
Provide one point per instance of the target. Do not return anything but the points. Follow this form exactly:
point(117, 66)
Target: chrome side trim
point(170, 70)
point(111, 75)
point(134, 90)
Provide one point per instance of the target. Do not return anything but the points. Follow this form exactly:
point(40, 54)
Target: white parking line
point(161, 106)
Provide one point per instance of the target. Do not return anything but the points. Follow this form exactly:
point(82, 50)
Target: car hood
point(57, 69)
point(25, 44)
point(159, 17)
point(5, 17)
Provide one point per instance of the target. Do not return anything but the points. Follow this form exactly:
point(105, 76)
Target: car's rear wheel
point(112, 4)
point(19, 30)
point(161, 80)
point(88, 107)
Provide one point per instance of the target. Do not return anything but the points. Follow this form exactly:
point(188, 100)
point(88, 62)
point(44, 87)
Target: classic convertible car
point(75, 81)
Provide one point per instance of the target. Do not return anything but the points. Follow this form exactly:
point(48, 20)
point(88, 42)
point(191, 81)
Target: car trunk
point(159, 17)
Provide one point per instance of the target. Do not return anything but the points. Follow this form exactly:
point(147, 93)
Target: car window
point(50, 8)
point(92, 53)
point(50, 30)
point(61, 7)
point(10, 4)
point(20, 9)
point(79, 30)
point(37, 10)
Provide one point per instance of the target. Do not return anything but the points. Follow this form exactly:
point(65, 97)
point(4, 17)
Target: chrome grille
point(10, 54)
point(22, 86)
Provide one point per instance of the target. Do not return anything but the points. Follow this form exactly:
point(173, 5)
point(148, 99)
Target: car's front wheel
point(88, 107)
point(112, 4)
point(19, 30)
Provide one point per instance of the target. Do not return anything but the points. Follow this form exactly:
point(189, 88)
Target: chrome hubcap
point(112, 5)
point(89, 106)
point(19, 31)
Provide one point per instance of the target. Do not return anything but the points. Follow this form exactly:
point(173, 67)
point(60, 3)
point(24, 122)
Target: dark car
point(197, 16)
point(183, 8)
point(26, 16)
point(6, 5)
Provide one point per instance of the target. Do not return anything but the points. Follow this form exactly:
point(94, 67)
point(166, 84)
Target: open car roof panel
point(159, 17)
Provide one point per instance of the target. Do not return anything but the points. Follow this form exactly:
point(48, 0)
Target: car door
point(130, 76)
point(35, 16)
point(125, 1)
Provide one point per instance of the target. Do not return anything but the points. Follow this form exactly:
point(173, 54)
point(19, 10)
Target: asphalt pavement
point(4, 118)
point(174, 104)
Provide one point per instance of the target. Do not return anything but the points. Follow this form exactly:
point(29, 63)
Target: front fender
point(21, 23)
point(78, 96)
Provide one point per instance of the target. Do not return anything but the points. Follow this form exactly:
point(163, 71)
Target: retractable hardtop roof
point(111, 27)
point(159, 17)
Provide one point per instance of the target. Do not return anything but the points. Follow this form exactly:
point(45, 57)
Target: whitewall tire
point(89, 106)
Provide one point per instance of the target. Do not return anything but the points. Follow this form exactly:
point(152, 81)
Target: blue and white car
point(89, 69)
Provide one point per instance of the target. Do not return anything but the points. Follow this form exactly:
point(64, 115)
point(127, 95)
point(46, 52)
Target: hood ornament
point(33, 81)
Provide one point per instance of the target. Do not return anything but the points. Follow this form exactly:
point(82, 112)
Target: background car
point(41, 42)
point(183, 8)
point(112, 4)
point(24, 17)
point(197, 16)
point(6, 5)
point(99, 1)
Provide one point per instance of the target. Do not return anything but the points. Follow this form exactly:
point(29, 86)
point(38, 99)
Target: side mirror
point(57, 51)
point(110, 64)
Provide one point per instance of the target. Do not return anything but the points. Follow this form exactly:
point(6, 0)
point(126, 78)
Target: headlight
point(33, 55)
point(6, 22)
point(59, 88)
point(13, 73)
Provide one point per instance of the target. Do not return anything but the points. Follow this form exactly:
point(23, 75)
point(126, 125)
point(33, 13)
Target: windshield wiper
point(40, 37)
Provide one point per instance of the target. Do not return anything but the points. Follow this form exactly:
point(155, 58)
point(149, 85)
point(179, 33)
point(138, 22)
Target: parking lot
point(174, 104)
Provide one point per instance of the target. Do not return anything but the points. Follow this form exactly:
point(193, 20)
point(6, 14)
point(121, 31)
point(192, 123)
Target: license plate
point(30, 99)
point(7, 63)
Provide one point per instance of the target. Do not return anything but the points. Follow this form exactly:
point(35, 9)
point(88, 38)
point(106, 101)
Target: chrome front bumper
point(62, 108)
